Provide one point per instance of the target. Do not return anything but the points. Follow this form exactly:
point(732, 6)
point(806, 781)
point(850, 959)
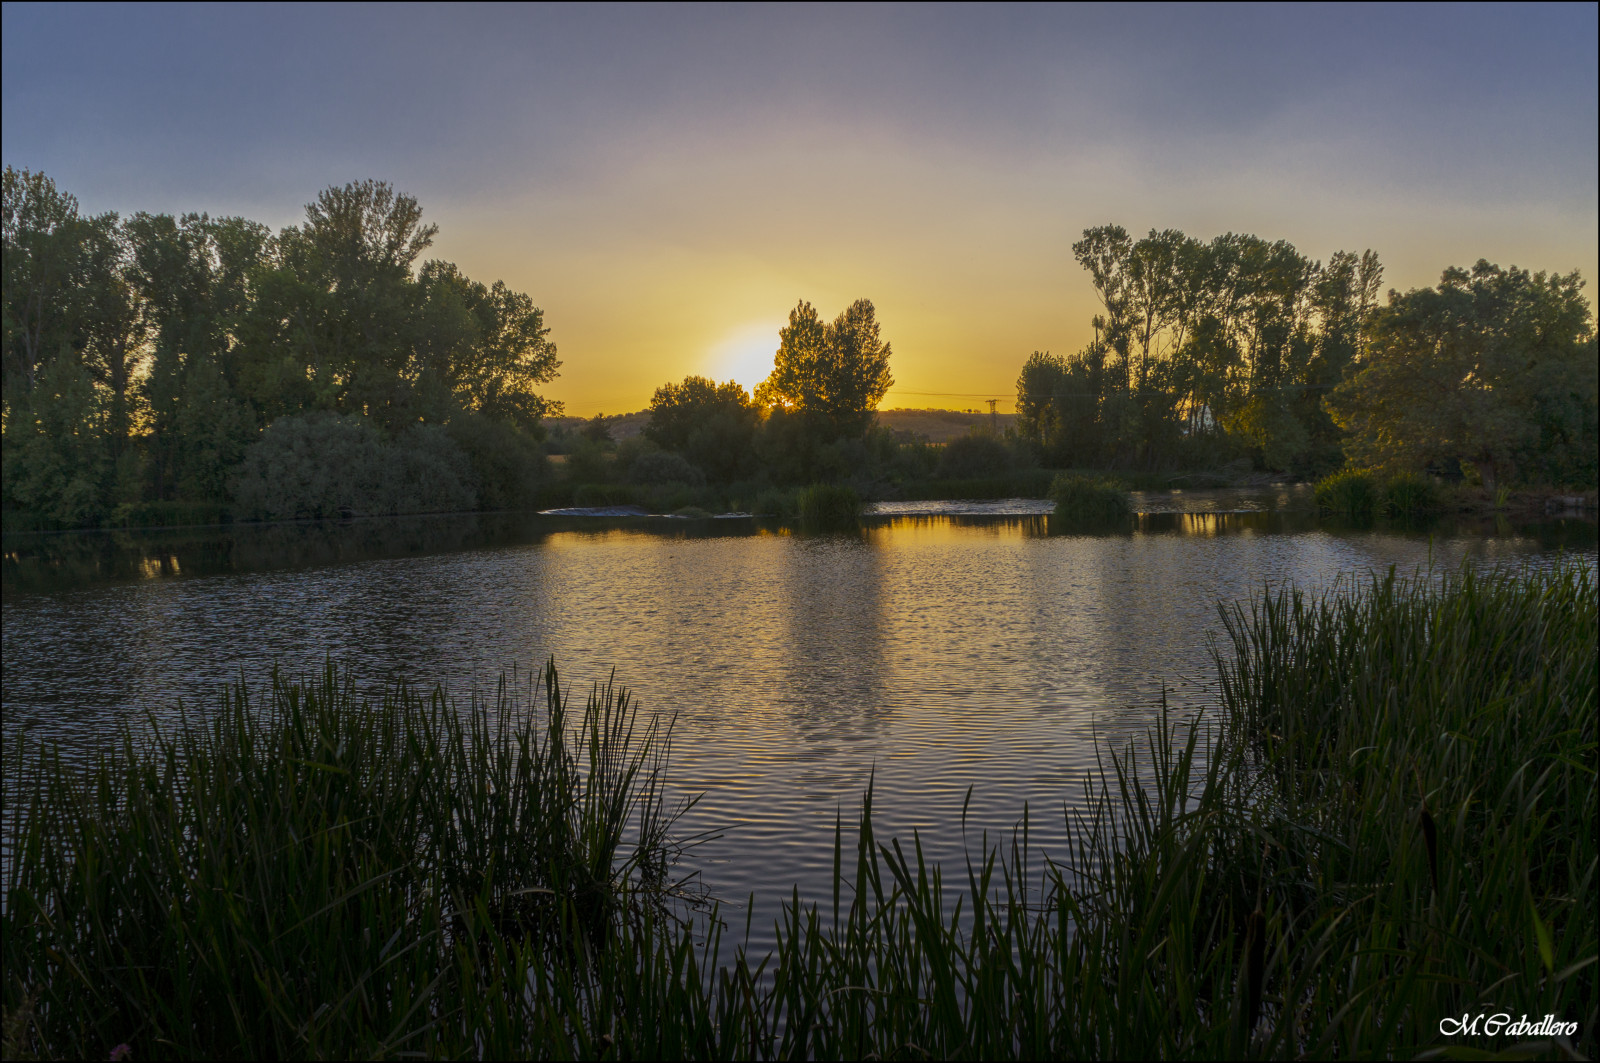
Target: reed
point(1389, 820)
point(1089, 499)
point(1408, 495)
point(323, 875)
point(828, 506)
point(1351, 493)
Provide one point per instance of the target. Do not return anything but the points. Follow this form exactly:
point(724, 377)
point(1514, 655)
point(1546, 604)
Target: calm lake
point(944, 647)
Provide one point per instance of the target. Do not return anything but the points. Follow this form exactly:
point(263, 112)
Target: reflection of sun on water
point(744, 354)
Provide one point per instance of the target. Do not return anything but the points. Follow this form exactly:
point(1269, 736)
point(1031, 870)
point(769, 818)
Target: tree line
point(162, 368)
point(146, 357)
point(1207, 352)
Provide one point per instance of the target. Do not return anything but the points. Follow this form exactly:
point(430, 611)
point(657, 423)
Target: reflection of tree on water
point(832, 659)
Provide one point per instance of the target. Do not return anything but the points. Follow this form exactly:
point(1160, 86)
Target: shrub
point(649, 466)
point(323, 465)
point(605, 495)
point(1089, 498)
point(975, 455)
point(1351, 493)
point(589, 462)
point(313, 465)
point(507, 461)
point(1409, 495)
point(776, 502)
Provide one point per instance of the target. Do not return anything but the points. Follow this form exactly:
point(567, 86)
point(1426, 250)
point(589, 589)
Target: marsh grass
point(1408, 496)
point(1089, 499)
point(823, 507)
point(1389, 820)
point(1351, 493)
point(323, 875)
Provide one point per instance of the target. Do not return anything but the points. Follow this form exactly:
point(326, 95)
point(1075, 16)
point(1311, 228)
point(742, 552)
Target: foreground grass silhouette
point(1388, 822)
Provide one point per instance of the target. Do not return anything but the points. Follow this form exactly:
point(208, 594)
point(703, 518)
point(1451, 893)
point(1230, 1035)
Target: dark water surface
point(940, 649)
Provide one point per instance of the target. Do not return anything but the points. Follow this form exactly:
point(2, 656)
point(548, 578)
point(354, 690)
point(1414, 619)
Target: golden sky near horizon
point(667, 183)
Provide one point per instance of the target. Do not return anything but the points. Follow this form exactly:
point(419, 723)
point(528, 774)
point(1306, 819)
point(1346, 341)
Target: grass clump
point(1351, 493)
point(1091, 499)
point(827, 506)
point(1408, 495)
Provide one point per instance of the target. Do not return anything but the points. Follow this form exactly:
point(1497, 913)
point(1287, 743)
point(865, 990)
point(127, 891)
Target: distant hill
point(622, 425)
point(940, 426)
point(937, 426)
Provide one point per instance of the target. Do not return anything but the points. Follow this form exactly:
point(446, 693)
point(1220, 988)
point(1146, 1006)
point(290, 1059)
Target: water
point(946, 647)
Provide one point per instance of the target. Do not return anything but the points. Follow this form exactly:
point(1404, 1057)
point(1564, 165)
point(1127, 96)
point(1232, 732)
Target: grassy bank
point(1389, 820)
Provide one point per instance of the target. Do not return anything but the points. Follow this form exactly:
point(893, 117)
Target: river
point(944, 647)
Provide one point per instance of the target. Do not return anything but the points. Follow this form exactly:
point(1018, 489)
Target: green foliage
point(1351, 493)
point(1408, 495)
point(1495, 367)
point(823, 507)
point(192, 333)
point(977, 454)
point(711, 425)
point(776, 502)
point(592, 494)
point(508, 464)
point(645, 464)
point(833, 374)
point(1204, 352)
point(590, 462)
point(1089, 499)
point(57, 463)
point(324, 465)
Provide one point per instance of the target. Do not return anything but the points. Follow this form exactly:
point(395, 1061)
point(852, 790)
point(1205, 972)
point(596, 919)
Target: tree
point(42, 239)
point(833, 375)
point(712, 425)
point(1491, 365)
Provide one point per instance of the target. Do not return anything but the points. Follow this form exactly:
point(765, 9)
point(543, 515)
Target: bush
point(589, 462)
point(508, 461)
point(431, 474)
point(976, 455)
point(1409, 495)
point(1350, 494)
point(323, 465)
point(828, 506)
point(776, 502)
point(649, 466)
point(1089, 498)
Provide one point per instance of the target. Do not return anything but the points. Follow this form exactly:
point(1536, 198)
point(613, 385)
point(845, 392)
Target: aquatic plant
point(828, 506)
point(1351, 493)
point(1085, 498)
point(1407, 494)
point(327, 875)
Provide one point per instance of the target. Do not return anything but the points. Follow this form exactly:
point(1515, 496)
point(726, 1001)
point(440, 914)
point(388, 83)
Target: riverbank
point(1356, 844)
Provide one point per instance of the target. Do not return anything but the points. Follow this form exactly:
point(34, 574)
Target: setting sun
point(744, 354)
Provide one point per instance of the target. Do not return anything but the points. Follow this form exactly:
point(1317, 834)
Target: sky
point(667, 182)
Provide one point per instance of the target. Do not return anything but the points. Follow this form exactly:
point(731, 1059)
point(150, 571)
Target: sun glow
point(744, 354)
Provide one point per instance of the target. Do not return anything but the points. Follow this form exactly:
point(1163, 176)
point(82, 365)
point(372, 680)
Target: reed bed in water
point(1389, 822)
